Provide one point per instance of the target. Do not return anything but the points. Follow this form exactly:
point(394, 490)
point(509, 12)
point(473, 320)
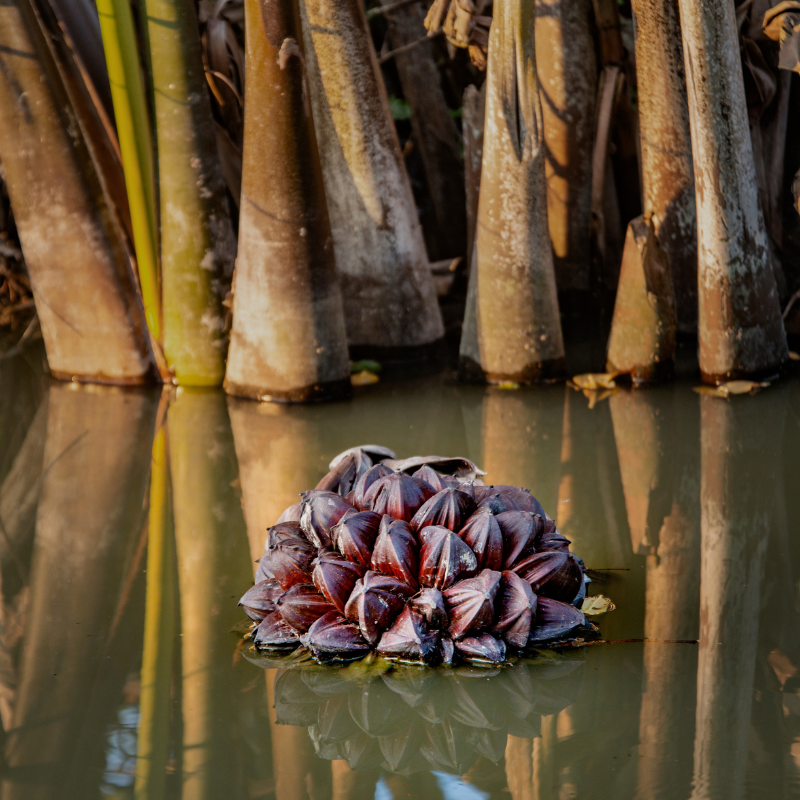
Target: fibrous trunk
point(288, 340)
point(197, 244)
point(387, 288)
point(565, 66)
point(740, 328)
point(667, 173)
point(86, 296)
point(518, 326)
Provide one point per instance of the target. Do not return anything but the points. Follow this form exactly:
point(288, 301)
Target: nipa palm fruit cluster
point(418, 560)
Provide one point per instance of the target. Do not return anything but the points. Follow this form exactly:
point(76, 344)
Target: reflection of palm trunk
point(88, 523)
point(738, 498)
point(672, 599)
point(159, 635)
point(275, 448)
point(299, 774)
point(521, 441)
point(350, 784)
point(212, 571)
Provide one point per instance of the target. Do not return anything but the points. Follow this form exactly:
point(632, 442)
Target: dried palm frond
point(463, 24)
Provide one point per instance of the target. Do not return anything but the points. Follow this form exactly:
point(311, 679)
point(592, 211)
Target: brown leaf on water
point(595, 380)
point(794, 356)
point(731, 388)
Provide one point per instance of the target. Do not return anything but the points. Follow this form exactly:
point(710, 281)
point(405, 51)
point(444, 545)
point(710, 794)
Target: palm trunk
point(387, 288)
point(86, 295)
point(667, 172)
point(740, 328)
point(518, 326)
point(565, 66)
point(288, 340)
point(197, 243)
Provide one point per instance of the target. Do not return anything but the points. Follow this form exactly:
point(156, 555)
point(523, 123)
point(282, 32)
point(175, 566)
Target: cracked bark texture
point(516, 309)
point(197, 243)
point(80, 266)
point(666, 148)
point(387, 288)
point(740, 329)
point(288, 340)
point(567, 75)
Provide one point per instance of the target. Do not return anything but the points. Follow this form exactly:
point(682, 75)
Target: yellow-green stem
point(136, 148)
point(159, 632)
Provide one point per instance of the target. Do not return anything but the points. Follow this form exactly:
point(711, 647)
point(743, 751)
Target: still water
point(120, 675)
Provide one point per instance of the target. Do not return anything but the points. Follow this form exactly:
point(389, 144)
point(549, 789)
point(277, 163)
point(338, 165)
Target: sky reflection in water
point(692, 502)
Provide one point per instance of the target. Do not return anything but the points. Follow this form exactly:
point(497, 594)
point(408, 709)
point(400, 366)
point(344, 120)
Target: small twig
point(410, 46)
point(379, 10)
point(792, 300)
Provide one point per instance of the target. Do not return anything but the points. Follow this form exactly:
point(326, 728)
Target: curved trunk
point(518, 326)
point(387, 288)
point(667, 172)
point(85, 290)
point(740, 328)
point(288, 340)
point(197, 244)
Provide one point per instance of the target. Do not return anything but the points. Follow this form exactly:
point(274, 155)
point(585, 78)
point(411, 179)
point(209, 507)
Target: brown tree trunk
point(288, 340)
point(667, 173)
point(80, 266)
point(432, 130)
point(518, 325)
point(388, 293)
point(740, 328)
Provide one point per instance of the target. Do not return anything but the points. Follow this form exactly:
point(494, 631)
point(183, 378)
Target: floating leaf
point(364, 378)
point(794, 356)
point(366, 365)
point(508, 385)
point(593, 606)
point(595, 380)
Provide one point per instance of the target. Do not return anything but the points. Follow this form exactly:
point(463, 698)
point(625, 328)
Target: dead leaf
point(711, 391)
point(364, 378)
point(596, 380)
point(594, 606)
point(731, 388)
point(794, 356)
point(508, 385)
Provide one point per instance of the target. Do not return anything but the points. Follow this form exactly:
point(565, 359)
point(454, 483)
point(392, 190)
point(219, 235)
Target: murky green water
point(120, 680)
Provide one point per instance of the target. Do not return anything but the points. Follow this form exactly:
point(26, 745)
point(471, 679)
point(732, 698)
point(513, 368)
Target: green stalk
point(136, 147)
point(197, 246)
point(159, 632)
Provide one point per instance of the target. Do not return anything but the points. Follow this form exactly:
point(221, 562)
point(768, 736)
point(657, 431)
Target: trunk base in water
point(315, 393)
point(642, 341)
point(551, 370)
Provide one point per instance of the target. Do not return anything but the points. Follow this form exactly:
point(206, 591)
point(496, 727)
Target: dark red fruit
point(516, 610)
point(364, 483)
point(355, 534)
point(275, 632)
point(483, 648)
point(448, 507)
point(259, 600)
point(483, 535)
point(522, 497)
point(430, 604)
point(498, 503)
point(344, 475)
point(335, 578)
point(332, 636)
point(321, 511)
point(291, 514)
point(435, 479)
point(444, 558)
point(395, 551)
point(400, 496)
point(302, 606)
point(470, 603)
point(552, 574)
point(520, 531)
point(551, 539)
point(290, 563)
point(375, 602)
point(554, 620)
point(409, 639)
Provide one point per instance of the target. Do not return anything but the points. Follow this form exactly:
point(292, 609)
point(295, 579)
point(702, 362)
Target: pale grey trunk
point(740, 328)
point(518, 325)
point(567, 75)
point(81, 270)
point(387, 288)
point(666, 147)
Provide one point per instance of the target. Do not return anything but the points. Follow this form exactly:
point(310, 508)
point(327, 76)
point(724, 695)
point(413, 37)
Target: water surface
point(120, 676)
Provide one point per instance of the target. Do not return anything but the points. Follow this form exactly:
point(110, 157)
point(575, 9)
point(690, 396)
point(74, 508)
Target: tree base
point(542, 372)
point(315, 393)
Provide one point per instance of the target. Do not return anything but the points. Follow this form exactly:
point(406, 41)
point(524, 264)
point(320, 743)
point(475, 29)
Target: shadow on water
point(129, 524)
